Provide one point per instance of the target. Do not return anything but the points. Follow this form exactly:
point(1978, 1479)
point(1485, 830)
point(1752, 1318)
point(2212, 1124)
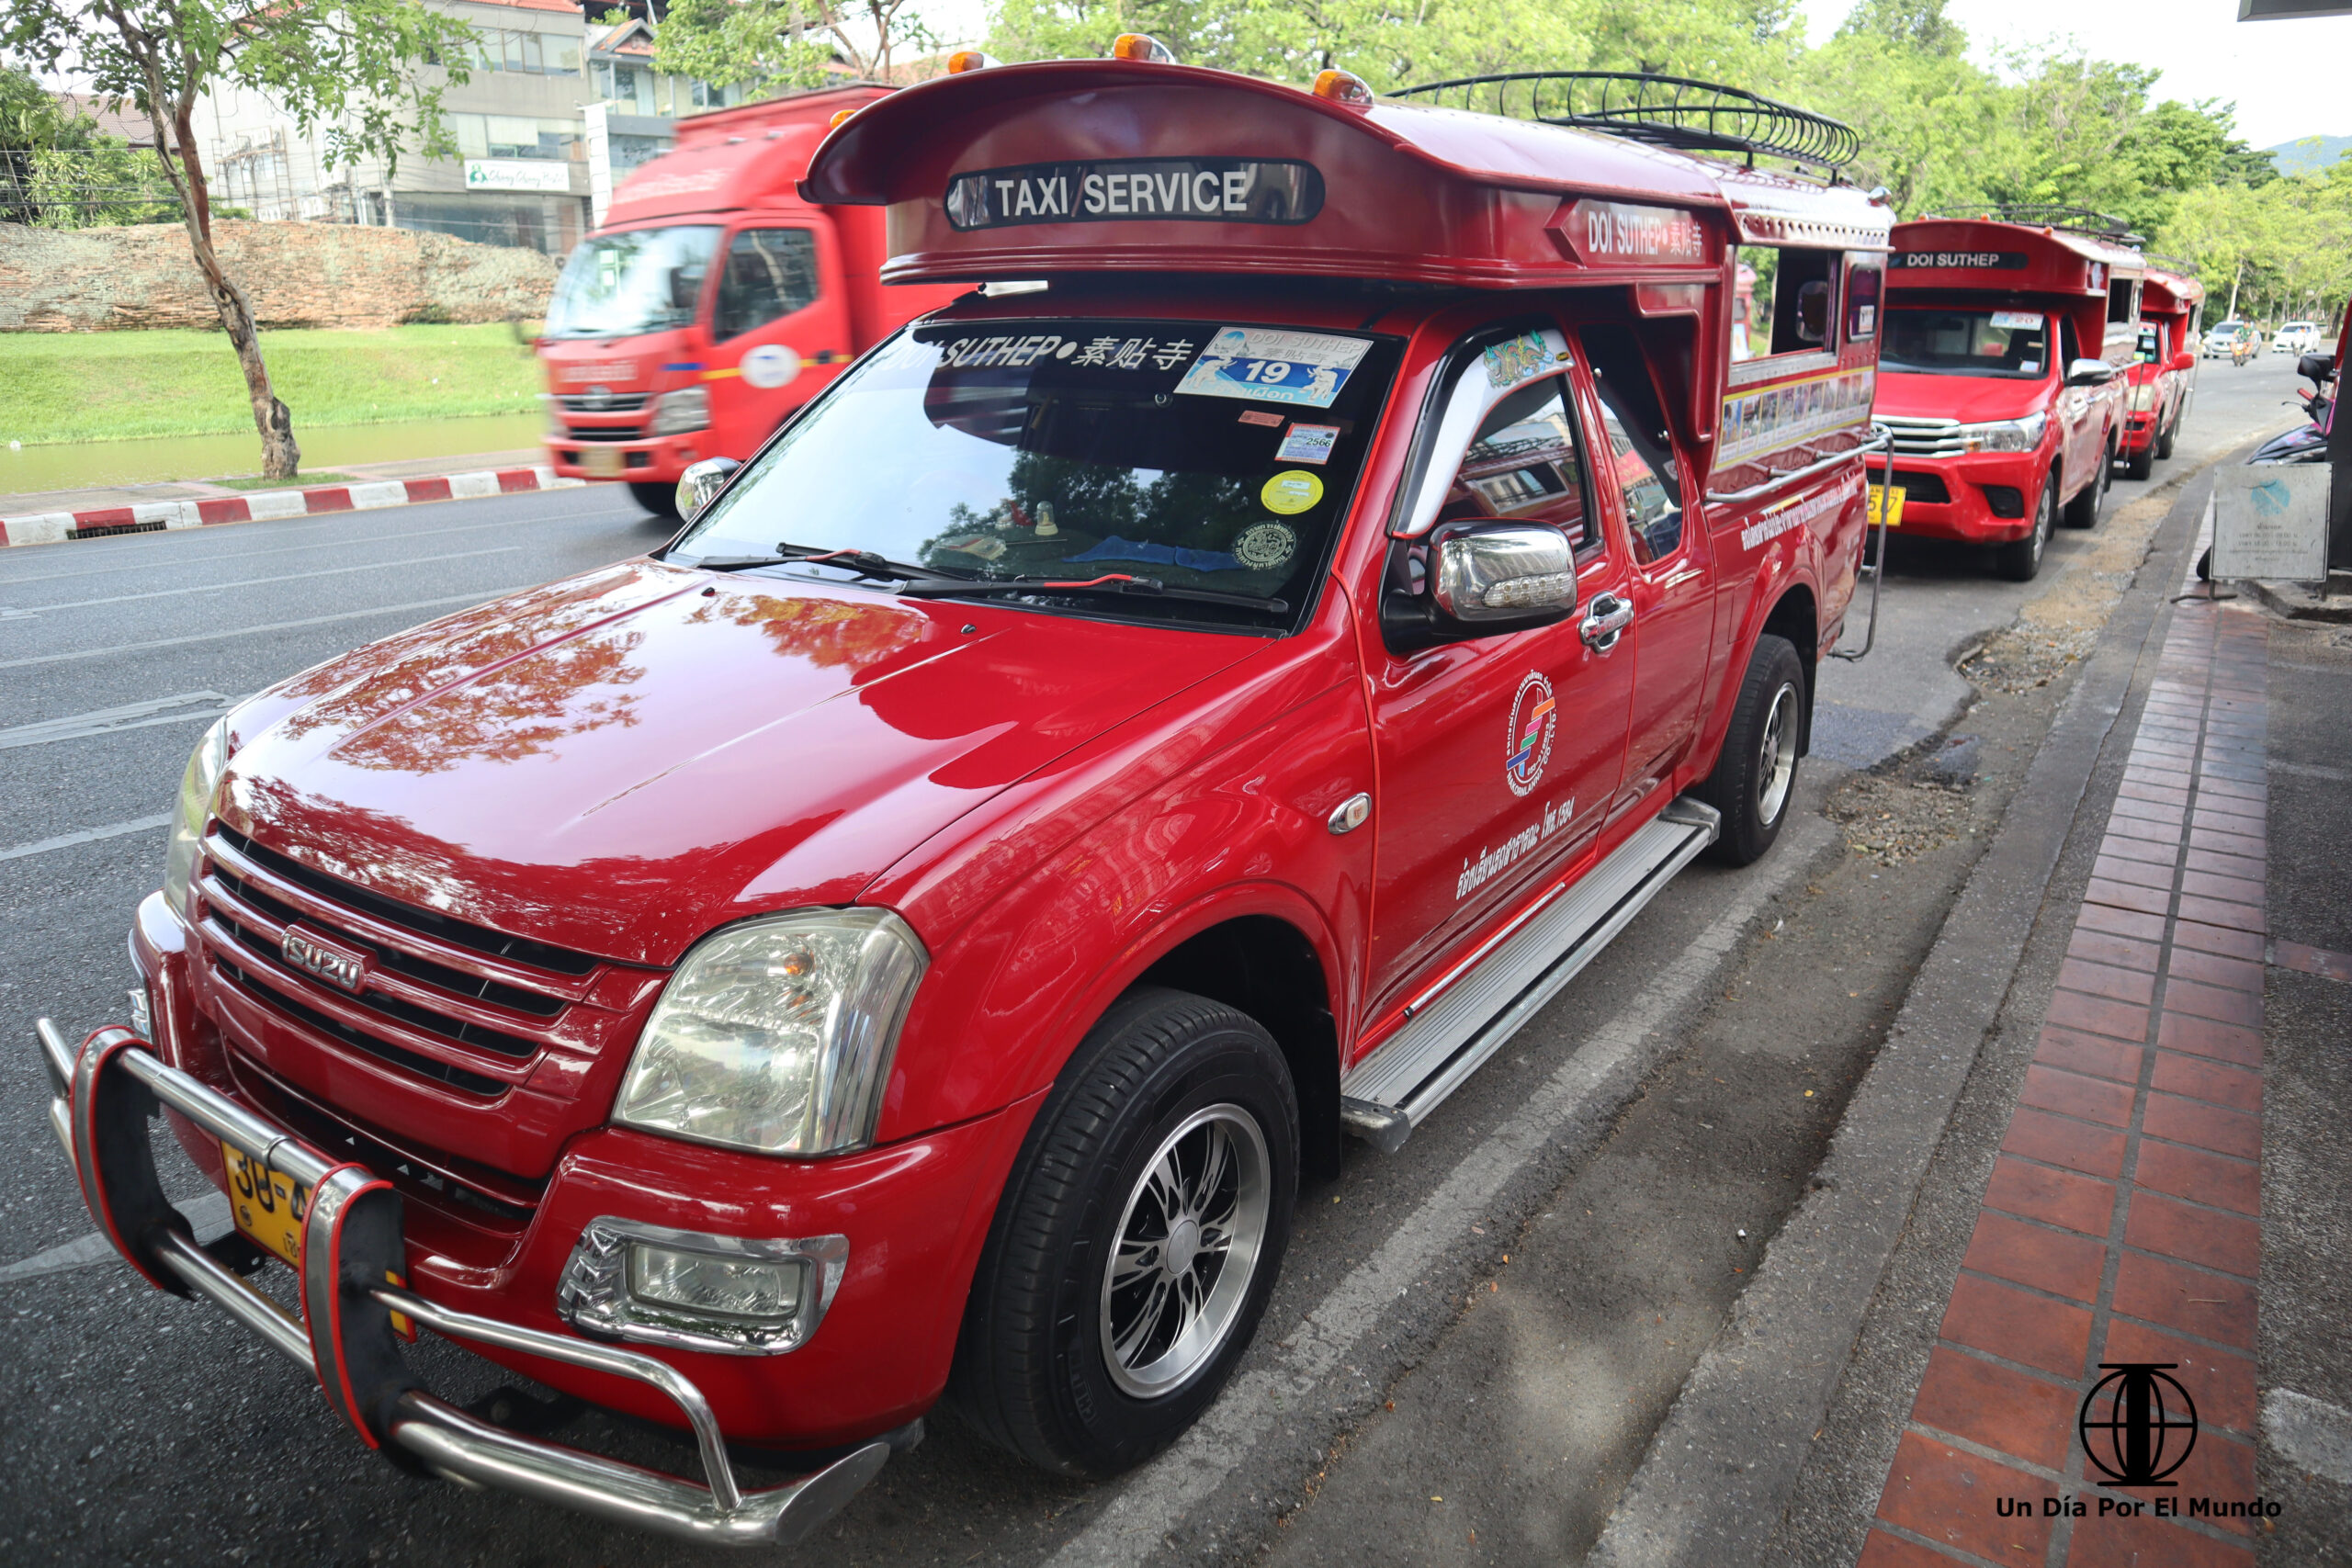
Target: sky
point(2288, 79)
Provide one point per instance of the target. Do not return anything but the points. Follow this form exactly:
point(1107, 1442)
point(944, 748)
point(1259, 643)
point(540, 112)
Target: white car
point(2296, 337)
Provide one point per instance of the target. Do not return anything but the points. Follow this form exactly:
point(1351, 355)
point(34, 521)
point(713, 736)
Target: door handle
point(1605, 621)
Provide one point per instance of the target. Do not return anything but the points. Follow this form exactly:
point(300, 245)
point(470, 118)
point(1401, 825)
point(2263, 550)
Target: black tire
point(2164, 438)
point(2083, 512)
point(1033, 1373)
point(2019, 560)
point(2141, 464)
point(1755, 778)
point(660, 500)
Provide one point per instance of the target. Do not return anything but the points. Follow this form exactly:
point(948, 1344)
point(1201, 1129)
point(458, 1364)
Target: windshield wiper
point(865, 563)
point(1117, 582)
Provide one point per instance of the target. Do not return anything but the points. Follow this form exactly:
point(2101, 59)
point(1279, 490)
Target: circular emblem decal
point(1264, 545)
point(771, 366)
point(1534, 717)
point(1291, 491)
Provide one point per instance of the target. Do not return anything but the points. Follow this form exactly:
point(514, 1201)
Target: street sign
point(2271, 523)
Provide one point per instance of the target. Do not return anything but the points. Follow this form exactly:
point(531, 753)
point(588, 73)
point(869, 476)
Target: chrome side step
point(1388, 1093)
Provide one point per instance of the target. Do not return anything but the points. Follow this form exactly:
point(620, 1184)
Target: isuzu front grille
point(602, 402)
point(1924, 437)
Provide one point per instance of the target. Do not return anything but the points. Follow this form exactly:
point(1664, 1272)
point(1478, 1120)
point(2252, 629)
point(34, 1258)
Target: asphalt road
point(141, 1428)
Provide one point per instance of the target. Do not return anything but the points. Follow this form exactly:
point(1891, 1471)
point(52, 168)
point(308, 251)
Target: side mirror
point(2316, 367)
point(2090, 373)
point(1483, 579)
point(1812, 311)
point(685, 287)
point(700, 482)
point(2184, 361)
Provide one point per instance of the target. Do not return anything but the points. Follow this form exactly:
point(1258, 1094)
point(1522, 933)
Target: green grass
point(254, 481)
point(110, 386)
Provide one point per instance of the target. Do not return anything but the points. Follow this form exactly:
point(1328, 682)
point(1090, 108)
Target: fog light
point(746, 1290)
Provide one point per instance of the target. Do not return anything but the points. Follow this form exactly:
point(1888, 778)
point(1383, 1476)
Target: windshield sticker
point(2018, 320)
point(1514, 360)
point(980, 545)
point(1117, 549)
point(1534, 714)
point(1270, 366)
point(1261, 416)
point(1772, 418)
point(1221, 190)
point(1307, 444)
point(2030, 366)
point(982, 353)
point(1265, 546)
point(1293, 492)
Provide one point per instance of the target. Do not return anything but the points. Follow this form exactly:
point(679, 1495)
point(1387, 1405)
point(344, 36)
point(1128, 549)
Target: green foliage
point(778, 45)
point(2283, 249)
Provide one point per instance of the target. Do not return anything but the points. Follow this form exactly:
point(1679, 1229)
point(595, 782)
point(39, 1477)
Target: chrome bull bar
point(101, 1099)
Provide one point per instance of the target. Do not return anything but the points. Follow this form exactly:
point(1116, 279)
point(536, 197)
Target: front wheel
point(1137, 1240)
point(2163, 438)
point(1755, 775)
point(2084, 510)
point(2019, 560)
point(2141, 463)
point(660, 500)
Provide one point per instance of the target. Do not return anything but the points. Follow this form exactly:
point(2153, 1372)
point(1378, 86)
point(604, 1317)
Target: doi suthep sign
point(535, 175)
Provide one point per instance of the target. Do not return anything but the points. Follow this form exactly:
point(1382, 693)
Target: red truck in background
point(910, 936)
point(2162, 381)
point(2002, 375)
point(713, 301)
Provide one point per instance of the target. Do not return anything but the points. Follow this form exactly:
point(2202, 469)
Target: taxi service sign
point(1222, 190)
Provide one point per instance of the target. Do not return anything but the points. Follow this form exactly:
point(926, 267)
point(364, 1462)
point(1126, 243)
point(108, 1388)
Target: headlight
point(2144, 396)
point(686, 409)
point(2004, 436)
point(775, 1035)
point(197, 785)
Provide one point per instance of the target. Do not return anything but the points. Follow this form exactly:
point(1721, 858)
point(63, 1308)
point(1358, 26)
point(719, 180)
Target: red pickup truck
point(2002, 378)
point(911, 935)
point(2162, 380)
point(715, 302)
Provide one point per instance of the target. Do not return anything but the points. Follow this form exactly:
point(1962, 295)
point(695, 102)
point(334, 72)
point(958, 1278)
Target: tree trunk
point(281, 458)
point(2231, 314)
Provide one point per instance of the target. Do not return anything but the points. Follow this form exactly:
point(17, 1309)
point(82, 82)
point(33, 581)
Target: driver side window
point(1524, 466)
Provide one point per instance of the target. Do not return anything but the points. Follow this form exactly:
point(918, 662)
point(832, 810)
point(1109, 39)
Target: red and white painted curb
point(56, 527)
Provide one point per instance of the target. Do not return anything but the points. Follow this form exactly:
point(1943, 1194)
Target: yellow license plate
point(1893, 506)
point(602, 463)
point(266, 1205)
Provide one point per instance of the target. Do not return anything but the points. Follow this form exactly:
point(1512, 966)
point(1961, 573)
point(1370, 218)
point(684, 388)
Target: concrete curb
point(270, 505)
point(1721, 1468)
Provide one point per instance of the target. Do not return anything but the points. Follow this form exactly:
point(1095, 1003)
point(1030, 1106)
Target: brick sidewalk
point(2122, 1219)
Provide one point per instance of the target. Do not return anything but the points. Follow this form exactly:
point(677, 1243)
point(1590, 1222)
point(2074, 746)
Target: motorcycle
point(2242, 351)
point(2306, 444)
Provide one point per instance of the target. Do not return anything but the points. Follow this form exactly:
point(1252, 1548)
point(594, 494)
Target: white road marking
point(208, 1215)
point(2310, 1434)
point(122, 647)
point(259, 581)
point(130, 715)
point(1139, 1518)
point(86, 836)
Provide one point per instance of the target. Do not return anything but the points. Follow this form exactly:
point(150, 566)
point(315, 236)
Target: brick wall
point(297, 274)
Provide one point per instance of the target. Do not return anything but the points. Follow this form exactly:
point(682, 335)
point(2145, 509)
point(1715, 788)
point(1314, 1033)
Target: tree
point(346, 65)
point(770, 44)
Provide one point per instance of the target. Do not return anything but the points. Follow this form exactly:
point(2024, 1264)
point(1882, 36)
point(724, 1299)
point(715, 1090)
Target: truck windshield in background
point(1941, 340)
point(1204, 455)
point(638, 280)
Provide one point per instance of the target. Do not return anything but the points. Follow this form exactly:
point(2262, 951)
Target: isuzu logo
point(323, 958)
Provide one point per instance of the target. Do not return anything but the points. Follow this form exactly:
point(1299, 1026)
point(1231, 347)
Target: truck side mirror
point(2316, 367)
point(1484, 578)
point(2090, 373)
point(1812, 311)
point(2184, 360)
point(685, 287)
point(700, 482)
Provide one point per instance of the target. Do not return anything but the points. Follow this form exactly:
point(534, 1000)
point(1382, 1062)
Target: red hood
point(1972, 399)
point(618, 763)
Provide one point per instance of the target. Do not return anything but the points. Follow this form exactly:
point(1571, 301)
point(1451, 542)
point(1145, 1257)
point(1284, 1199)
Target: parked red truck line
point(2160, 383)
point(909, 937)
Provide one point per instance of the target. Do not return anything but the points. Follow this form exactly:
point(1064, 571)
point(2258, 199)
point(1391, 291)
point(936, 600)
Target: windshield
point(2014, 344)
point(639, 280)
point(2148, 348)
point(1200, 455)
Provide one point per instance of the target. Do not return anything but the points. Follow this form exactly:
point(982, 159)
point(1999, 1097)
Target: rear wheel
point(1137, 1239)
point(2084, 510)
point(661, 499)
point(1756, 777)
point(2141, 463)
point(2019, 560)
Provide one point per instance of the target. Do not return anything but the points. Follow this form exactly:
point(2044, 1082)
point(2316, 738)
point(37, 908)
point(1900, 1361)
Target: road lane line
point(1137, 1521)
point(122, 647)
point(128, 715)
point(207, 1213)
point(86, 836)
point(259, 581)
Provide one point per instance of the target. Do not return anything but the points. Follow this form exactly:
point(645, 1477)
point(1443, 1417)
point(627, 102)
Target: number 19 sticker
point(1269, 365)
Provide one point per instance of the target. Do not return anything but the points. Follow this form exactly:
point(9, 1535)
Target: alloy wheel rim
point(1776, 756)
point(1186, 1250)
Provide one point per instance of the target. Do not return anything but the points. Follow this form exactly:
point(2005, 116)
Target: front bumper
point(1969, 484)
point(656, 460)
point(353, 1284)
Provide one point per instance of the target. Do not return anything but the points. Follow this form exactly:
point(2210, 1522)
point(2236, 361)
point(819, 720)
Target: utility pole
point(2232, 313)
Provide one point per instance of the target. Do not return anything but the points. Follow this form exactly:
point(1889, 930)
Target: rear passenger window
point(1789, 300)
point(770, 273)
point(1522, 466)
point(1641, 449)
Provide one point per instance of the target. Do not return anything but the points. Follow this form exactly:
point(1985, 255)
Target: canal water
point(80, 465)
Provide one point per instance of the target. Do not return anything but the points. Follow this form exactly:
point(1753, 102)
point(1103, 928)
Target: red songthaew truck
point(713, 301)
point(910, 936)
point(2162, 381)
point(2002, 374)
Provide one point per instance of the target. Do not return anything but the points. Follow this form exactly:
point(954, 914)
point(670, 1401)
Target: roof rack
point(2073, 219)
point(1668, 111)
point(2180, 264)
